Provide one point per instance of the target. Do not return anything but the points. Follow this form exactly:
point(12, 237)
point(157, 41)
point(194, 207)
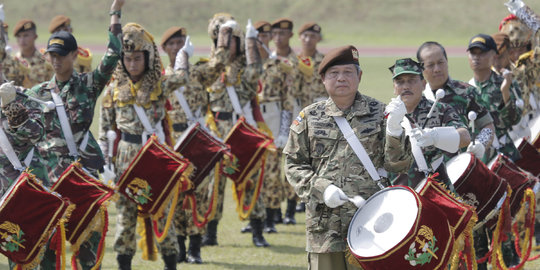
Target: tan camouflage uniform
point(312, 87)
point(39, 69)
point(318, 155)
point(14, 70)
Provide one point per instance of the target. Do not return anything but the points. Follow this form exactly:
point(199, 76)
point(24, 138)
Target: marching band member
point(324, 168)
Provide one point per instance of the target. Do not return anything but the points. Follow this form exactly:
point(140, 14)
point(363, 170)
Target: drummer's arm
point(298, 169)
point(464, 137)
point(397, 151)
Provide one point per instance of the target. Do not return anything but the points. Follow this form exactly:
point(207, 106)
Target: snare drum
point(530, 158)
point(518, 180)
point(398, 229)
point(477, 185)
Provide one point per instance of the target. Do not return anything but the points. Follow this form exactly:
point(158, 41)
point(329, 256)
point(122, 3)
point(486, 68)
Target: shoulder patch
point(299, 118)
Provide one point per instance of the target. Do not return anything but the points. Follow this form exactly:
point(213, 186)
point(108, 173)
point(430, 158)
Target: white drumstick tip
point(472, 115)
point(50, 105)
point(111, 135)
point(439, 94)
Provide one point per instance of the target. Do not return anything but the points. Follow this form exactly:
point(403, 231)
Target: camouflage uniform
point(318, 155)
point(504, 115)
point(23, 137)
point(39, 69)
point(280, 80)
point(14, 70)
point(312, 87)
point(244, 79)
point(443, 116)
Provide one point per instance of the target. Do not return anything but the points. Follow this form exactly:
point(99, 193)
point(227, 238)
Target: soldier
point(495, 94)
point(321, 165)
point(264, 36)
point(39, 69)
point(228, 103)
point(277, 105)
point(134, 105)
point(442, 135)
point(75, 94)
point(84, 56)
point(310, 59)
point(460, 95)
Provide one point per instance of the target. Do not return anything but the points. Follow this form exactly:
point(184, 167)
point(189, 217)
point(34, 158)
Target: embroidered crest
point(139, 190)
point(299, 119)
point(470, 199)
point(427, 247)
point(11, 235)
point(230, 166)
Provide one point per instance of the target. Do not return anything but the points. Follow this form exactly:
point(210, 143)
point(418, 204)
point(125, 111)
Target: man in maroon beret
point(327, 168)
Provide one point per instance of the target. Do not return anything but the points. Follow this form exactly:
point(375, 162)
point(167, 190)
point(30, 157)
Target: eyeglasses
point(333, 74)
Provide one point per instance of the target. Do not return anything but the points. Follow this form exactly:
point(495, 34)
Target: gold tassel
point(146, 254)
point(351, 259)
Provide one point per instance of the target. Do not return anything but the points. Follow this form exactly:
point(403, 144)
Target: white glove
point(231, 24)
point(108, 174)
point(2, 14)
point(251, 32)
point(7, 93)
point(514, 5)
point(445, 138)
point(280, 141)
point(334, 196)
point(396, 110)
point(188, 47)
point(358, 201)
point(477, 149)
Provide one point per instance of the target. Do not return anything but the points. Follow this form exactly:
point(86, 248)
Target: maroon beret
point(341, 56)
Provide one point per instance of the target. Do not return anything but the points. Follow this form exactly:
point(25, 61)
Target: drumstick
point(472, 118)
point(49, 104)
point(438, 95)
point(519, 101)
point(111, 137)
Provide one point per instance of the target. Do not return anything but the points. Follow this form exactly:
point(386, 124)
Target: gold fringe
point(211, 122)
point(103, 213)
point(170, 214)
point(240, 201)
point(351, 259)
point(496, 253)
point(141, 230)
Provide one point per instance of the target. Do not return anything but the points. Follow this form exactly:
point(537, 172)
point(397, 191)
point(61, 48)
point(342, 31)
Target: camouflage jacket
point(39, 69)
point(311, 84)
point(238, 74)
point(23, 139)
point(443, 116)
point(317, 155)
point(14, 70)
point(504, 115)
point(281, 82)
point(79, 95)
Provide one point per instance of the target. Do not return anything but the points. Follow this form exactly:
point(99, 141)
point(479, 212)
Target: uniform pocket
point(316, 217)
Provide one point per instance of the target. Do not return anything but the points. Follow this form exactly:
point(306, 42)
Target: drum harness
point(191, 118)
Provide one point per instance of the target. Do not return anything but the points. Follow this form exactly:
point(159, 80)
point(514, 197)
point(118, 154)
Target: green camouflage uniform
point(23, 137)
point(280, 80)
point(79, 96)
point(39, 69)
point(244, 78)
point(14, 70)
point(318, 155)
point(504, 115)
point(443, 116)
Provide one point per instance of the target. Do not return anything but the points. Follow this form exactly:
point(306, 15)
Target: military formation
point(332, 148)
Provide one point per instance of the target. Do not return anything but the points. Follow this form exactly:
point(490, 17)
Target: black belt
point(222, 115)
point(179, 127)
point(131, 138)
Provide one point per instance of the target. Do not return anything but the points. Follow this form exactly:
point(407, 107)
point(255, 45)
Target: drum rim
point(417, 199)
point(466, 173)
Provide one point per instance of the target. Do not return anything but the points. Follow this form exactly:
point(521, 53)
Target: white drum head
point(492, 162)
point(383, 222)
point(456, 166)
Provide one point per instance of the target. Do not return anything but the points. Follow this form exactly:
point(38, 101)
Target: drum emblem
point(427, 245)
point(11, 235)
point(139, 190)
point(470, 199)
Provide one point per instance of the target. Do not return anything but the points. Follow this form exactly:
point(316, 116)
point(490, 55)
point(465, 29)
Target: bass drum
point(398, 229)
point(477, 186)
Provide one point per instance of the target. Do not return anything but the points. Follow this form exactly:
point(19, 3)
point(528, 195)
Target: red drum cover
point(476, 184)
point(459, 214)
point(399, 229)
point(87, 193)
point(202, 149)
point(150, 178)
point(248, 146)
point(530, 158)
point(28, 215)
point(518, 180)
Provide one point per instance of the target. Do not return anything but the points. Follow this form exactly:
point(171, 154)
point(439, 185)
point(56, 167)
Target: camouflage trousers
point(183, 219)
point(273, 191)
point(126, 220)
point(259, 209)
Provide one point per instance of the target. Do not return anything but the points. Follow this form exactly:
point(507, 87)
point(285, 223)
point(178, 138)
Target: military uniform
point(312, 87)
point(318, 155)
point(14, 70)
point(118, 113)
point(504, 115)
point(39, 69)
point(83, 63)
point(443, 116)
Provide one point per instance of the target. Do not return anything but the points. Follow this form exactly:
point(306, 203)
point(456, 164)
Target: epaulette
point(524, 57)
point(203, 60)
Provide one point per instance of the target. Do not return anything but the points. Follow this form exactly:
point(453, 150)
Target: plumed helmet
point(519, 34)
point(220, 18)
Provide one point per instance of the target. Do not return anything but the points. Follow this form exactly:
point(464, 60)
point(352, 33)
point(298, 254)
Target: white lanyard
point(179, 93)
point(149, 130)
point(358, 148)
point(64, 123)
point(245, 111)
point(416, 151)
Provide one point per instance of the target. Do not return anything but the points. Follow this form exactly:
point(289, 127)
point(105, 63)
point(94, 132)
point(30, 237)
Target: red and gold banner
point(28, 215)
point(153, 174)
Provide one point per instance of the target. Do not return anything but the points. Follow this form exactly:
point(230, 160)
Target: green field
point(389, 24)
